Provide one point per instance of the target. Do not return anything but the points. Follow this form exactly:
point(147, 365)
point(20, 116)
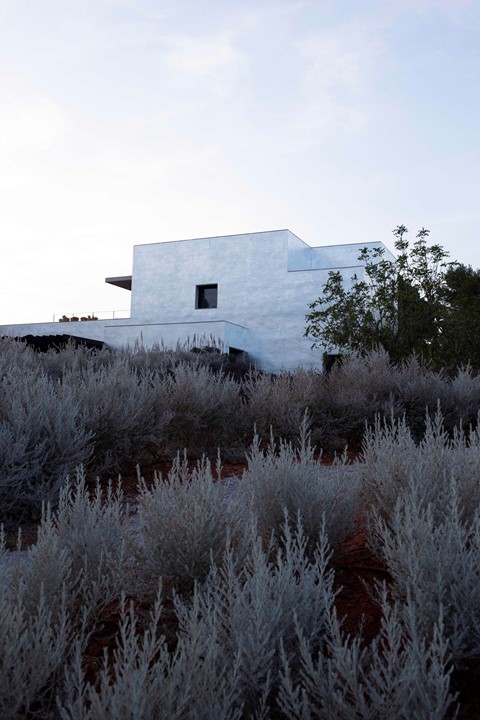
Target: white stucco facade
point(264, 282)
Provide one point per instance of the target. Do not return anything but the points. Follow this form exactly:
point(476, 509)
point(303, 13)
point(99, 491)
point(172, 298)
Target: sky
point(134, 121)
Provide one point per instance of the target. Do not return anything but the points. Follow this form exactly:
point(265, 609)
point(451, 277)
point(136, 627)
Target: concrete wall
point(126, 333)
point(93, 329)
point(333, 257)
point(225, 334)
point(265, 284)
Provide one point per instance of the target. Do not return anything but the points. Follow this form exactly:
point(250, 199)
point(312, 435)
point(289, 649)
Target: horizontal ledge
point(122, 281)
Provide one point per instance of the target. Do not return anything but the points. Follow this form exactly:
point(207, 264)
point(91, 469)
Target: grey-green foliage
point(261, 639)
point(185, 523)
point(15, 355)
point(393, 459)
point(400, 675)
point(33, 649)
point(433, 556)
point(58, 410)
point(102, 408)
point(151, 683)
point(83, 549)
point(257, 636)
point(362, 386)
point(337, 403)
point(124, 410)
point(227, 661)
point(420, 392)
point(358, 388)
point(137, 680)
point(426, 524)
point(464, 397)
point(94, 525)
point(288, 478)
point(205, 408)
point(51, 594)
point(42, 438)
point(253, 609)
point(277, 403)
point(34, 642)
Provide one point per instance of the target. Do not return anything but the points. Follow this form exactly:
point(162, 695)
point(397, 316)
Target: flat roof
point(122, 281)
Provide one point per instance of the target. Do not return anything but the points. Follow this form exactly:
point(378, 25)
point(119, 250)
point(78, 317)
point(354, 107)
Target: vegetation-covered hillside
point(221, 598)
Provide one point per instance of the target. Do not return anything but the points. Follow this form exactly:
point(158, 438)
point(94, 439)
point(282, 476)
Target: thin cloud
point(214, 60)
point(457, 11)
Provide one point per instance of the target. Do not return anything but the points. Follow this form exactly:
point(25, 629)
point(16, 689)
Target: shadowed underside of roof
point(42, 343)
point(122, 281)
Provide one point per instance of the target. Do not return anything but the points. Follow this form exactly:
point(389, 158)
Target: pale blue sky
point(132, 121)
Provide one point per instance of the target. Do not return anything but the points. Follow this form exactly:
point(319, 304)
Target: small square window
point(206, 296)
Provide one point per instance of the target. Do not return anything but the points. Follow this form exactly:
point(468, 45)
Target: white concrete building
point(250, 291)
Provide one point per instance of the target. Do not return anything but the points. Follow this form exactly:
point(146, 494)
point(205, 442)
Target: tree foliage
point(418, 303)
point(461, 327)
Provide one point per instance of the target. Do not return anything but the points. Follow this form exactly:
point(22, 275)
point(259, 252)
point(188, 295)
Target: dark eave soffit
point(122, 281)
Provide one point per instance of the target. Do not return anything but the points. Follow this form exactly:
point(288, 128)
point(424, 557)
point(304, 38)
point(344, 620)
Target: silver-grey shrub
point(42, 438)
point(433, 556)
point(400, 675)
point(185, 521)
point(226, 665)
point(33, 649)
point(253, 608)
point(34, 643)
point(283, 477)
point(393, 459)
point(277, 403)
point(50, 595)
point(15, 354)
point(83, 550)
point(206, 409)
point(419, 392)
point(260, 639)
point(124, 411)
point(358, 388)
point(150, 682)
point(465, 398)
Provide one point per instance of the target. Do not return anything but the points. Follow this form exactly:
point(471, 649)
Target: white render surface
point(265, 283)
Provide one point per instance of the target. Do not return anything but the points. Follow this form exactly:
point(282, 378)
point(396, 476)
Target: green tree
point(400, 305)
point(460, 340)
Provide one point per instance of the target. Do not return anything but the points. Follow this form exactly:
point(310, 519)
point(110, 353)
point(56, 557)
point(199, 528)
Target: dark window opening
point(206, 296)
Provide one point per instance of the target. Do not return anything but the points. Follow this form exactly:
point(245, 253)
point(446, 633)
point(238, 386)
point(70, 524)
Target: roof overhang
point(57, 342)
point(122, 281)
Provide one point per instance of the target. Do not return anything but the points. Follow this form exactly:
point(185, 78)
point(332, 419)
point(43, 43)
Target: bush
point(433, 556)
point(285, 478)
point(251, 609)
point(227, 662)
point(205, 408)
point(33, 649)
point(399, 676)
point(83, 547)
point(185, 524)
point(420, 393)
point(261, 639)
point(393, 459)
point(41, 440)
point(358, 388)
point(276, 404)
point(124, 412)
